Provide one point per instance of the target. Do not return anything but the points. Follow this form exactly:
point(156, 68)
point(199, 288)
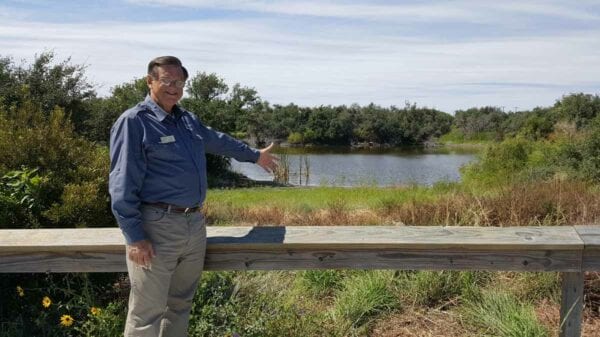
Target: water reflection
point(367, 167)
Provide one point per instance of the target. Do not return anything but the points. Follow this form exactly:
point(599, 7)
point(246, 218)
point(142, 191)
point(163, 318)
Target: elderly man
point(157, 185)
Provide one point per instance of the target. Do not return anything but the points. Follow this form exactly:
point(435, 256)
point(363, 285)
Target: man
point(157, 185)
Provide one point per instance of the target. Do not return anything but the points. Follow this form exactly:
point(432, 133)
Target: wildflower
point(95, 311)
point(66, 320)
point(46, 302)
point(20, 291)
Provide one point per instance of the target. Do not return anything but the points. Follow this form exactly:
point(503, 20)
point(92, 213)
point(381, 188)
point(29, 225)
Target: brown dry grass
point(421, 323)
point(549, 315)
point(435, 323)
point(548, 203)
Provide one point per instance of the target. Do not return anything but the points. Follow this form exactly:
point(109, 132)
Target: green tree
point(105, 111)
point(242, 101)
point(208, 99)
point(476, 122)
point(49, 84)
point(579, 108)
point(206, 87)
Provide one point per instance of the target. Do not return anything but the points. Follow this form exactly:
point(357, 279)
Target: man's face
point(163, 86)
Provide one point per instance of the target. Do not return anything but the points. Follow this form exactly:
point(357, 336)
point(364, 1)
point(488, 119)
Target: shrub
point(73, 172)
point(51, 305)
point(295, 138)
point(104, 322)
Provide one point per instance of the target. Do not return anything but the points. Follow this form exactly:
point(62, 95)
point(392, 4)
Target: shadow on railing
point(257, 235)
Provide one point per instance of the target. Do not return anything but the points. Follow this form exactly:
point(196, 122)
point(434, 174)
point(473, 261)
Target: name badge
point(167, 139)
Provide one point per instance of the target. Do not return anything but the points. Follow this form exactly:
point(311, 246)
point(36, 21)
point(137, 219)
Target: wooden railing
point(568, 250)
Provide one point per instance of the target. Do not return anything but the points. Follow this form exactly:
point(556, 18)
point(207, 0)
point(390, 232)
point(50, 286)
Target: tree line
point(240, 111)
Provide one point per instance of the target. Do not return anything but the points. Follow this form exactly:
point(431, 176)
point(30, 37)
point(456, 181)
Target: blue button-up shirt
point(160, 157)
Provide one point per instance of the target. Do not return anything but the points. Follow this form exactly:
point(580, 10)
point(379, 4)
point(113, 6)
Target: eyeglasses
point(167, 83)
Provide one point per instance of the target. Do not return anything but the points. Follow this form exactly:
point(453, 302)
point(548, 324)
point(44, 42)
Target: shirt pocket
point(167, 152)
point(197, 141)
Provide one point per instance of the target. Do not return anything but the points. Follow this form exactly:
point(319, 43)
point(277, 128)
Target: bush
point(578, 155)
point(295, 138)
point(53, 305)
point(104, 322)
point(20, 192)
point(499, 164)
point(73, 172)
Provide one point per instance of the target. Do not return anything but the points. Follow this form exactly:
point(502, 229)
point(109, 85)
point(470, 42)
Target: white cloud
point(436, 11)
point(324, 8)
point(339, 66)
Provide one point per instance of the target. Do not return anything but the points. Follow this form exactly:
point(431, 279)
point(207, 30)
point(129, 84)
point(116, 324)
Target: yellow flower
point(66, 320)
point(20, 291)
point(95, 311)
point(46, 302)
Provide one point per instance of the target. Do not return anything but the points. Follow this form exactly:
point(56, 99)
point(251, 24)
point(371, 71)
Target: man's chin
point(171, 101)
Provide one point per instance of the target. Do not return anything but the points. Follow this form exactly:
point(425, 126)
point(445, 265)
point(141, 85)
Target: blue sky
point(445, 54)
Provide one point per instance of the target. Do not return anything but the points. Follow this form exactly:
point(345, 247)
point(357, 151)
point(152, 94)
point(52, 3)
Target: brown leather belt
point(172, 208)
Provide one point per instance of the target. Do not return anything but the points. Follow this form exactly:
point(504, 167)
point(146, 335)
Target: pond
point(365, 167)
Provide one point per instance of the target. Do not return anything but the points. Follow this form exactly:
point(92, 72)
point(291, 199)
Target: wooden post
point(571, 307)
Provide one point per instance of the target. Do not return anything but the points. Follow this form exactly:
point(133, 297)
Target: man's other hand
point(268, 161)
point(141, 252)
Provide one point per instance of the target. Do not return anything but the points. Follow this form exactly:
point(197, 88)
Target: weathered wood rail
point(568, 250)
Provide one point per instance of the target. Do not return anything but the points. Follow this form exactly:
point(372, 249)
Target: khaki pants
point(161, 296)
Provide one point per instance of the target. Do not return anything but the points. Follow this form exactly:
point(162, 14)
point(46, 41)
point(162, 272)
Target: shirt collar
point(159, 112)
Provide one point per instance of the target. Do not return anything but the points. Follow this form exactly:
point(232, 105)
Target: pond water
point(351, 167)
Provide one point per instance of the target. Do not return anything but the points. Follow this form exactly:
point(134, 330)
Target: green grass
point(500, 314)
point(362, 297)
point(533, 286)
point(320, 283)
point(252, 304)
point(438, 288)
point(312, 198)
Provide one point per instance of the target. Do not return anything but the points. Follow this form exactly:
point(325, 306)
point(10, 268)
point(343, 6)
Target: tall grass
point(363, 296)
point(532, 287)
point(440, 289)
point(282, 172)
point(554, 202)
point(320, 283)
point(500, 314)
point(253, 304)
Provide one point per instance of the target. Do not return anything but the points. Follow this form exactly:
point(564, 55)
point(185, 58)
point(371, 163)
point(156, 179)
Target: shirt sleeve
point(216, 142)
point(127, 171)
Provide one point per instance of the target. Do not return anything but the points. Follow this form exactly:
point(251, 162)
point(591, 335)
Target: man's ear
point(149, 81)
